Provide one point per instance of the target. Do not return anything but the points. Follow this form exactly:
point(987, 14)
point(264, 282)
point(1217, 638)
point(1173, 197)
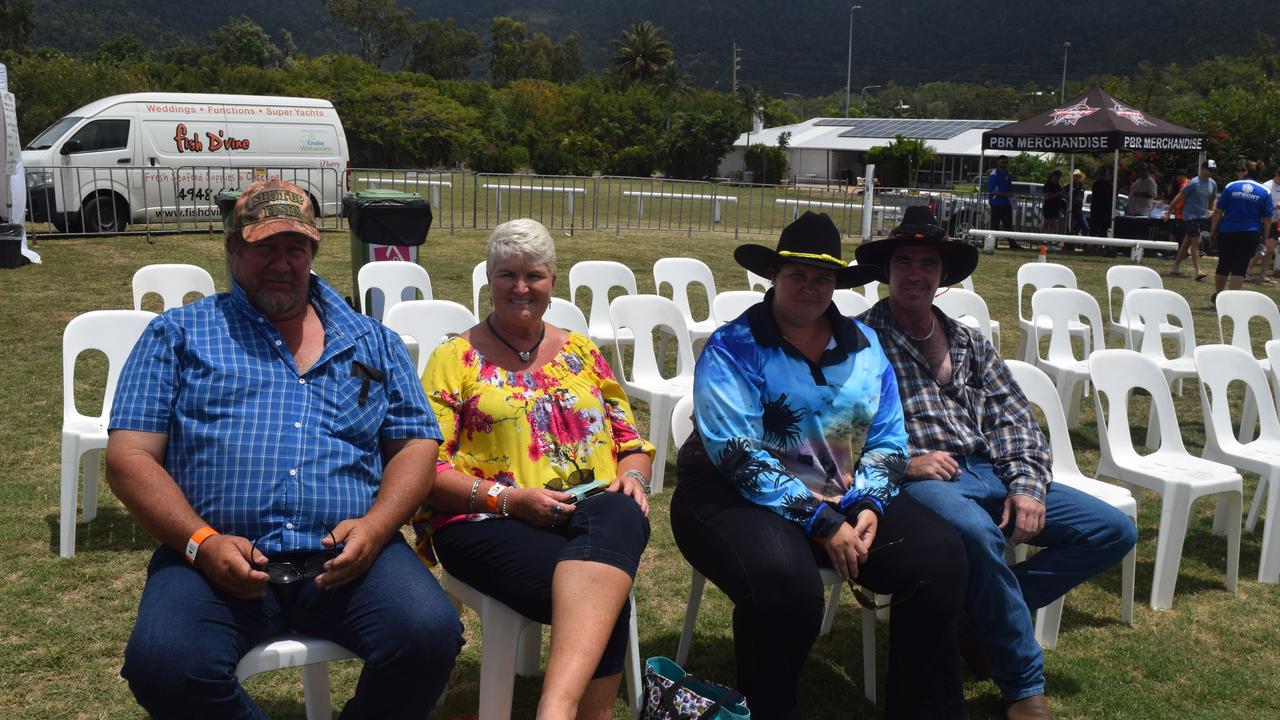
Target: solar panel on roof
point(836, 122)
point(914, 127)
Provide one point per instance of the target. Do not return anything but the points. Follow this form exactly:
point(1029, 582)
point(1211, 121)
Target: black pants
point(513, 561)
point(769, 569)
point(1235, 250)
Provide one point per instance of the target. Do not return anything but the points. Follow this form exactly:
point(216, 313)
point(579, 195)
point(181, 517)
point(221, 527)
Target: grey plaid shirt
point(981, 412)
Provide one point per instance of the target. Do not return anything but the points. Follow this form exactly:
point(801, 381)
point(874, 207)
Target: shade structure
point(1092, 123)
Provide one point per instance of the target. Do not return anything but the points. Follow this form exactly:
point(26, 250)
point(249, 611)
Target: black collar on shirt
point(848, 338)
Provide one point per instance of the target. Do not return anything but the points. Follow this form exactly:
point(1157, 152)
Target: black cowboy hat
point(919, 227)
point(812, 239)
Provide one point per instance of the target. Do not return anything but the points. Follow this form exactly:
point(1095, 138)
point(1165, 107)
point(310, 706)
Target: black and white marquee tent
point(1095, 122)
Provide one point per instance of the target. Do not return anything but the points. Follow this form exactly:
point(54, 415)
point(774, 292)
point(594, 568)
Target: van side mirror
point(70, 147)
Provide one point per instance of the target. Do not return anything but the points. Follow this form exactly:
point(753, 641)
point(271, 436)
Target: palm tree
point(641, 53)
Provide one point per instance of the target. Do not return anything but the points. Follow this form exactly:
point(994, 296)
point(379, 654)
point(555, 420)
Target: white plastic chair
point(758, 281)
point(680, 273)
point(1059, 308)
point(172, 282)
point(479, 280)
point(729, 304)
point(1170, 471)
point(850, 302)
point(599, 277)
point(114, 332)
point(1040, 391)
point(1225, 364)
point(640, 315)
point(510, 643)
point(389, 282)
point(968, 307)
point(681, 429)
point(566, 316)
point(1152, 309)
point(1126, 278)
point(428, 323)
point(871, 290)
point(310, 655)
point(1241, 307)
point(1040, 276)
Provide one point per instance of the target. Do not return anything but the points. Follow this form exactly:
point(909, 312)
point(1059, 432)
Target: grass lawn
point(1214, 655)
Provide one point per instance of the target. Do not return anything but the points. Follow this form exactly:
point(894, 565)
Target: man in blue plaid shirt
point(978, 459)
point(275, 441)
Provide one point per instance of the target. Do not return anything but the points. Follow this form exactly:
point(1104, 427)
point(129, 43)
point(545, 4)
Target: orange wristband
point(491, 497)
point(197, 538)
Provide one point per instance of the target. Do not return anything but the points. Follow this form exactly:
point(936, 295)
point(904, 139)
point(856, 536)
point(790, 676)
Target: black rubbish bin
point(385, 225)
point(11, 246)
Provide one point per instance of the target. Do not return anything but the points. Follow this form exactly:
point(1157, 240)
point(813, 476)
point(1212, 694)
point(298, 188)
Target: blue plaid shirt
point(261, 450)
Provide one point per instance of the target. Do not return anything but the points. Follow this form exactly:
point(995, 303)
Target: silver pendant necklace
point(524, 355)
point(932, 326)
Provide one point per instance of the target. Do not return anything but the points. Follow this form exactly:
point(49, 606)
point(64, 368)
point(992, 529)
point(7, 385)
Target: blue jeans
point(181, 658)
point(1082, 536)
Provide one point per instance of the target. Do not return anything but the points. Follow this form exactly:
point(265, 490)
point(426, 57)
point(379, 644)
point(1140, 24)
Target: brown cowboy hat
point(919, 227)
point(812, 239)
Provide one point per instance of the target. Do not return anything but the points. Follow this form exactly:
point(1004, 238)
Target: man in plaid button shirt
point(274, 441)
point(980, 461)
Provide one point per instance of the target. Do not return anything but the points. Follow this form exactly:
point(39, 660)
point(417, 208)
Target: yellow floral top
point(525, 428)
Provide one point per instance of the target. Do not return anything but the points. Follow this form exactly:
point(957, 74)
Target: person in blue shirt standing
point(1000, 195)
point(1199, 199)
point(1240, 223)
point(795, 465)
point(274, 442)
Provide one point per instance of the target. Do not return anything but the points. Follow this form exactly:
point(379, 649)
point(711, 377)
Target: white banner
point(12, 151)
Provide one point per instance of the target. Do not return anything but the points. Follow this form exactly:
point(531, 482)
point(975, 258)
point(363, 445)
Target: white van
point(161, 158)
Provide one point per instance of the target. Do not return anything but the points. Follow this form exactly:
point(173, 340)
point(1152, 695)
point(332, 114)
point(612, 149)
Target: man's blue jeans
point(1082, 536)
point(181, 658)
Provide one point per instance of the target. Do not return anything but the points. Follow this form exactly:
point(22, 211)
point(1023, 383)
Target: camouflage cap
point(272, 207)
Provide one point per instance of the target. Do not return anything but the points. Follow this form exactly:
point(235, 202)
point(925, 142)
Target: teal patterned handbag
point(672, 694)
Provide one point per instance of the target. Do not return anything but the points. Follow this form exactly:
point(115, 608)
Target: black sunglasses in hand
point(285, 572)
point(869, 603)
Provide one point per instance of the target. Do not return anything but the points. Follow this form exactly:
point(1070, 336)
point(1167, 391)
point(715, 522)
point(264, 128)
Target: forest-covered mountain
point(784, 47)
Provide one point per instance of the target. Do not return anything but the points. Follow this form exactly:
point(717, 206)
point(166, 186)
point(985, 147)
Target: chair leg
point(633, 667)
point(869, 654)
point(89, 500)
point(660, 408)
point(1259, 494)
point(1128, 574)
point(833, 604)
point(1235, 500)
point(1048, 618)
point(1175, 509)
point(529, 651)
point(498, 634)
point(67, 499)
point(315, 691)
point(696, 585)
point(1269, 564)
point(1248, 417)
point(1153, 428)
point(1026, 351)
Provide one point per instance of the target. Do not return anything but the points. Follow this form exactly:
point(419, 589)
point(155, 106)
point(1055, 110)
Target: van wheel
point(104, 215)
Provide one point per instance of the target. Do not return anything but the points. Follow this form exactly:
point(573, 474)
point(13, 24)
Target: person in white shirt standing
point(1266, 259)
point(1141, 193)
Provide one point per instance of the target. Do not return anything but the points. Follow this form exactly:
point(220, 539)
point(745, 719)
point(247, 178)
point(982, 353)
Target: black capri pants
point(1235, 250)
point(769, 569)
point(513, 561)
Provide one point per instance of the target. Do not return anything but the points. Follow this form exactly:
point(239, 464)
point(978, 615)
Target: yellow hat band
point(813, 256)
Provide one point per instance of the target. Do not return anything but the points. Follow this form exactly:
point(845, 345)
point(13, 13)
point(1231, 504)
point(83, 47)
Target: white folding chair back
point(758, 281)
point(479, 281)
point(1059, 308)
point(310, 655)
point(968, 307)
point(1222, 366)
point(1038, 276)
point(850, 302)
point(1151, 308)
point(1040, 390)
point(682, 427)
point(599, 277)
point(680, 273)
point(172, 282)
point(383, 284)
point(1241, 307)
point(1170, 471)
point(566, 316)
point(871, 290)
point(511, 644)
point(729, 304)
point(114, 333)
point(428, 323)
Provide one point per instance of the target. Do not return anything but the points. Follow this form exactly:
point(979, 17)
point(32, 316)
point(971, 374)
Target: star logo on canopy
point(1071, 115)
point(1134, 116)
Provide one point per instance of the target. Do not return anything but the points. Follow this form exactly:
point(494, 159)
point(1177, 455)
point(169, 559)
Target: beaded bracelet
point(505, 495)
point(640, 478)
point(471, 503)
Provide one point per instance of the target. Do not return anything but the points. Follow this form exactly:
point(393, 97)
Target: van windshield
point(52, 134)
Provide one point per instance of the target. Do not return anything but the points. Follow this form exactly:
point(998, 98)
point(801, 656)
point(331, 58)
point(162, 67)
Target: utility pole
point(848, 70)
point(1062, 94)
point(735, 67)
